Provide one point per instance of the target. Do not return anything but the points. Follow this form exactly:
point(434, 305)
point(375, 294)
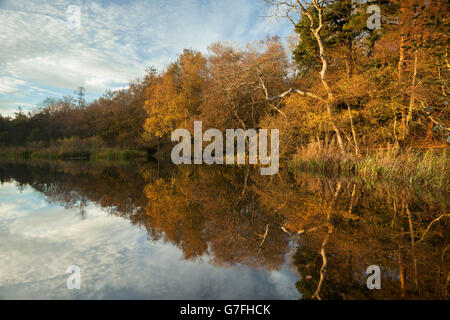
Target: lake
point(156, 231)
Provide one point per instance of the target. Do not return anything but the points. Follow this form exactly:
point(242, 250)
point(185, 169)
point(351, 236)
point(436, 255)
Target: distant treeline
point(346, 86)
point(115, 119)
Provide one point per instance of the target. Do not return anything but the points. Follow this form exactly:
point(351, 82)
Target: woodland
point(345, 97)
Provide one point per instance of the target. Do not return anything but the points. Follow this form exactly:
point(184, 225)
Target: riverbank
point(415, 166)
point(112, 154)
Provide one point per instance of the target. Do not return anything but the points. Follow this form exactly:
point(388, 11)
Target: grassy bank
point(415, 166)
point(111, 154)
point(92, 148)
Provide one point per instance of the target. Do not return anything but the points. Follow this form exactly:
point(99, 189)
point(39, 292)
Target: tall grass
point(110, 154)
point(70, 149)
point(424, 167)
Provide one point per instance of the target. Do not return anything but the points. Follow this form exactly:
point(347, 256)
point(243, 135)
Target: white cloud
point(116, 41)
point(10, 85)
point(41, 49)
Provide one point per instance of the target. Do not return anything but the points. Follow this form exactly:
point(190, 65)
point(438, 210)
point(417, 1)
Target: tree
point(314, 11)
point(80, 92)
point(240, 81)
point(175, 96)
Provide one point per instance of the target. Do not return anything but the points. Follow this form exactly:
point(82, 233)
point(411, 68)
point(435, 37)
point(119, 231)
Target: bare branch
point(291, 90)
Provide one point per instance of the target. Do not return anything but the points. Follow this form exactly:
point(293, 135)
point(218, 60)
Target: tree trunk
point(323, 73)
point(401, 60)
point(349, 61)
point(401, 64)
point(412, 99)
point(355, 141)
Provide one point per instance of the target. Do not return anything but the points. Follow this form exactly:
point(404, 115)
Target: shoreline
point(425, 167)
point(112, 154)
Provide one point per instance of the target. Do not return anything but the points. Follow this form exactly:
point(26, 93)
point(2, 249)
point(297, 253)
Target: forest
point(344, 96)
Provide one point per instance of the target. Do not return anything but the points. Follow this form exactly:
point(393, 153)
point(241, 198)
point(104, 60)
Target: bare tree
point(80, 92)
point(309, 9)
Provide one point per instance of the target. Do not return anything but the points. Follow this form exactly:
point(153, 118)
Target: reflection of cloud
point(116, 259)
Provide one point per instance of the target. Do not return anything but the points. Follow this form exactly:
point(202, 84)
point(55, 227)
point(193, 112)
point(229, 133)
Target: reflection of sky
point(39, 241)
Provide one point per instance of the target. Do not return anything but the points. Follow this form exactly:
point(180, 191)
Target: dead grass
point(415, 166)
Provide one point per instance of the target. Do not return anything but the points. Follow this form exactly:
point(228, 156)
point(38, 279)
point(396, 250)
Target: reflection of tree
point(235, 216)
point(340, 234)
point(82, 207)
point(341, 227)
point(314, 275)
point(212, 211)
point(117, 188)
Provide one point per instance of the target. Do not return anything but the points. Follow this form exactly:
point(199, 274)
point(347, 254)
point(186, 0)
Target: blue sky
point(40, 56)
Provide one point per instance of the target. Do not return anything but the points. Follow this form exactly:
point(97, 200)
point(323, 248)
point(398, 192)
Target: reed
point(72, 149)
point(415, 166)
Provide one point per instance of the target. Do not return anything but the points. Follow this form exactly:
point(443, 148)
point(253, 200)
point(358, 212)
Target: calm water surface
point(154, 231)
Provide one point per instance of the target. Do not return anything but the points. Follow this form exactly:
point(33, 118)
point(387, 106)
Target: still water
point(155, 231)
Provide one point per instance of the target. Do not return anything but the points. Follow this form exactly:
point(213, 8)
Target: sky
point(39, 240)
point(44, 53)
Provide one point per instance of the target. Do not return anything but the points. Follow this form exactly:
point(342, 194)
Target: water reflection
point(317, 234)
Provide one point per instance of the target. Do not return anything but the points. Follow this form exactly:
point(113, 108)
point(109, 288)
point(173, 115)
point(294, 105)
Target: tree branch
point(291, 90)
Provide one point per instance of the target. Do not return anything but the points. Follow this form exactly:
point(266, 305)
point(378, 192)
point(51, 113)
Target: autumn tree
point(240, 81)
point(174, 96)
point(314, 11)
point(423, 56)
